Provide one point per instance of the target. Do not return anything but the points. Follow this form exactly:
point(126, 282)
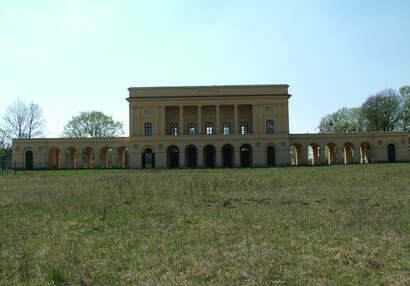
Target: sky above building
point(71, 56)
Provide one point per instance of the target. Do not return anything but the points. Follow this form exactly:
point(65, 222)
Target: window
point(148, 129)
point(174, 129)
point(191, 128)
point(209, 128)
point(269, 126)
point(227, 128)
point(244, 127)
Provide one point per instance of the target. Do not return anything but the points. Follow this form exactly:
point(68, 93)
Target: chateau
point(210, 127)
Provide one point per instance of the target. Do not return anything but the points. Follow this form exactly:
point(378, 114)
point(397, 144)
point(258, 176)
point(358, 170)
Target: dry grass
point(337, 225)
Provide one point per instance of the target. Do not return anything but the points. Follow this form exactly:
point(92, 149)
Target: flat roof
point(209, 91)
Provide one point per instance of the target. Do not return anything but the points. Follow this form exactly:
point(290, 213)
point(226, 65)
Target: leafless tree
point(22, 120)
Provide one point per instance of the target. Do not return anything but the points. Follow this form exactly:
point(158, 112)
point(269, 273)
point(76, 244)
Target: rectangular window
point(209, 128)
point(174, 129)
point(227, 128)
point(148, 129)
point(191, 128)
point(269, 126)
point(244, 127)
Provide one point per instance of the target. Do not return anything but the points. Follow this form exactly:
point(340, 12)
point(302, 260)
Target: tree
point(343, 120)
point(21, 120)
point(405, 94)
point(94, 124)
point(384, 111)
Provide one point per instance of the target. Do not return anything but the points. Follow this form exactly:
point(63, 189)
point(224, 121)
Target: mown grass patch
point(333, 225)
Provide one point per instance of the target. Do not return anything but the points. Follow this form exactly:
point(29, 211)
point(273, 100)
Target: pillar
point(331, 154)
point(199, 125)
point(114, 158)
point(131, 122)
point(322, 155)
point(181, 159)
point(340, 155)
point(237, 158)
point(181, 120)
point(80, 159)
point(163, 118)
point(298, 155)
point(305, 160)
point(254, 106)
point(235, 115)
point(218, 158)
point(97, 159)
point(218, 127)
point(356, 154)
point(200, 158)
point(137, 125)
point(315, 155)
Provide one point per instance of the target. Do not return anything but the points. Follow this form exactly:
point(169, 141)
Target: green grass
point(335, 225)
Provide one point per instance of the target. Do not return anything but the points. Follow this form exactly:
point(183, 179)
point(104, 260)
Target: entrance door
point(174, 158)
point(209, 158)
point(227, 156)
point(391, 153)
point(245, 162)
point(148, 159)
point(270, 153)
point(29, 160)
point(191, 157)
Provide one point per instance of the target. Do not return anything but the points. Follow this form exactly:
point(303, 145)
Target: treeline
point(387, 110)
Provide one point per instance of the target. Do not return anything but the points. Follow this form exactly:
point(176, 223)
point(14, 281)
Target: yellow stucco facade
point(210, 127)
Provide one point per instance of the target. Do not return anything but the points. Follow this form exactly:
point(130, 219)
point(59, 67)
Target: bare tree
point(22, 120)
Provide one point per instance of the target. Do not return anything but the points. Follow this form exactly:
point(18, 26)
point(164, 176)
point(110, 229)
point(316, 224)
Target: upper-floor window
point(269, 126)
point(148, 128)
point(174, 129)
point(191, 128)
point(227, 128)
point(244, 127)
point(209, 128)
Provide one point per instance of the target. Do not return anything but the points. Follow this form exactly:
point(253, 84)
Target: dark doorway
point(148, 159)
point(270, 154)
point(227, 157)
point(29, 160)
point(191, 157)
point(245, 157)
point(209, 157)
point(391, 153)
point(174, 158)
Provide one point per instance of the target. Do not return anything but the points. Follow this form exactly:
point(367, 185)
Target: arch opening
point(54, 158)
point(227, 156)
point(391, 153)
point(191, 157)
point(270, 156)
point(173, 157)
point(28, 160)
point(209, 156)
point(246, 156)
point(148, 159)
point(70, 158)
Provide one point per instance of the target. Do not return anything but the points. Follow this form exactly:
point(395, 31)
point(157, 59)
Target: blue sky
point(71, 56)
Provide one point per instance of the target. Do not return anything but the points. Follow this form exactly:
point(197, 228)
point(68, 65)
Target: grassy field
point(335, 225)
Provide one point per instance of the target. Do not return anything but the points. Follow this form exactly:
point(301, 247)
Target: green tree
point(405, 94)
point(343, 120)
point(384, 111)
point(94, 124)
